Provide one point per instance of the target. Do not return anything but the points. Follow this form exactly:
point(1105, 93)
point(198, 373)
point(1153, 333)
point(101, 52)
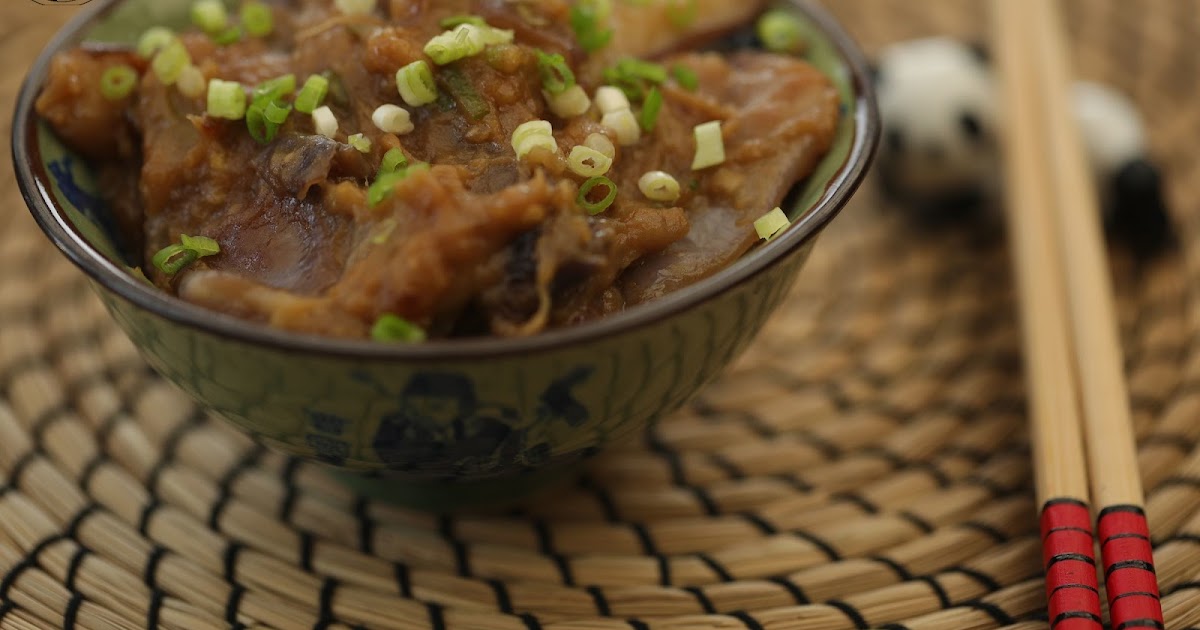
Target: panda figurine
point(940, 155)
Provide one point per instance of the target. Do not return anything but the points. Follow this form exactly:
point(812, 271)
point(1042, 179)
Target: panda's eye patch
point(895, 141)
point(971, 126)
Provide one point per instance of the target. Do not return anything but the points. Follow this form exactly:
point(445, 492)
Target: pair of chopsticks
point(1083, 442)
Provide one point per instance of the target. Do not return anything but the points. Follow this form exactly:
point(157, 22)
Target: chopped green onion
point(588, 162)
point(710, 146)
point(533, 134)
point(465, 40)
point(588, 26)
point(630, 69)
point(153, 40)
point(385, 184)
point(191, 82)
point(781, 32)
point(276, 88)
point(585, 193)
point(625, 125)
point(392, 119)
point(394, 329)
point(231, 35)
point(226, 99)
point(650, 110)
point(416, 85)
point(457, 20)
point(393, 161)
point(324, 122)
point(312, 94)
point(355, 7)
point(465, 93)
point(610, 99)
point(600, 142)
point(360, 143)
point(169, 63)
point(659, 186)
point(257, 19)
point(771, 224)
point(277, 114)
point(202, 245)
point(557, 76)
point(118, 81)
point(682, 13)
point(686, 78)
point(210, 16)
point(173, 258)
point(574, 102)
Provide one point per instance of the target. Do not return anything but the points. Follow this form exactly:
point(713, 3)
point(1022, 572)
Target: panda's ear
point(980, 52)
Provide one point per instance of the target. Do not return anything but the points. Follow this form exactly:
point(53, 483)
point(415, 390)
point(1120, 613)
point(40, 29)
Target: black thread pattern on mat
point(664, 570)
point(903, 573)
point(717, 568)
point(73, 565)
point(792, 589)
point(644, 539)
point(18, 468)
point(722, 463)
point(155, 609)
point(229, 560)
point(72, 611)
point(637, 625)
point(705, 500)
point(305, 554)
point(150, 571)
point(923, 525)
point(750, 622)
point(366, 526)
point(5, 608)
point(290, 491)
point(531, 622)
point(437, 616)
point(601, 602)
point(225, 485)
point(607, 505)
point(997, 613)
point(852, 613)
point(143, 525)
point(668, 455)
point(564, 569)
point(986, 581)
point(170, 447)
point(992, 532)
point(503, 599)
point(942, 596)
point(236, 592)
point(89, 470)
point(823, 546)
point(325, 614)
point(761, 523)
point(403, 580)
point(705, 603)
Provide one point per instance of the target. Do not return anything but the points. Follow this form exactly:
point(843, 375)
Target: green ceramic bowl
point(451, 421)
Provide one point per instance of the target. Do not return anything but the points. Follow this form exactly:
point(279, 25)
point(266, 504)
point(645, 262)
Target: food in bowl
point(409, 169)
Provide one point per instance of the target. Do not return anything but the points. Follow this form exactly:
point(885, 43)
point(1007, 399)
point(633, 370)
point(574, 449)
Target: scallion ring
point(771, 224)
point(202, 245)
point(153, 40)
point(457, 20)
point(361, 143)
point(659, 186)
point(210, 16)
point(686, 78)
point(781, 32)
point(710, 146)
point(170, 61)
point(585, 193)
point(257, 19)
point(416, 85)
point(226, 99)
point(312, 95)
point(650, 110)
point(557, 76)
point(393, 161)
point(173, 258)
point(391, 328)
point(589, 29)
point(118, 81)
point(588, 162)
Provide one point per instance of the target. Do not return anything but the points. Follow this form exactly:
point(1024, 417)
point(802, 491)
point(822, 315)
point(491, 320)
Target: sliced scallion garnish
point(202, 245)
point(257, 19)
point(710, 146)
point(361, 143)
point(118, 81)
point(533, 134)
point(571, 103)
point(276, 88)
point(585, 195)
point(312, 95)
point(210, 16)
point(650, 110)
point(589, 27)
point(781, 32)
point(588, 162)
point(392, 119)
point(226, 99)
point(324, 122)
point(686, 78)
point(464, 40)
point(170, 61)
point(771, 224)
point(355, 7)
point(457, 20)
point(625, 125)
point(659, 186)
point(394, 329)
point(191, 82)
point(465, 94)
point(393, 161)
point(416, 85)
point(153, 40)
point(557, 76)
point(682, 13)
point(383, 185)
point(173, 258)
point(231, 35)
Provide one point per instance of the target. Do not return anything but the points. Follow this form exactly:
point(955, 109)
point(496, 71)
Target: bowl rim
point(32, 180)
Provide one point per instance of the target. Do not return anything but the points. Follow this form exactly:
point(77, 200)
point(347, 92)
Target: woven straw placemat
point(865, 465)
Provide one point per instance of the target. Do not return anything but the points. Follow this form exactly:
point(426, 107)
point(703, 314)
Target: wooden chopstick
point(1055, 421)
point(1043, 136)
point(1125, 547)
